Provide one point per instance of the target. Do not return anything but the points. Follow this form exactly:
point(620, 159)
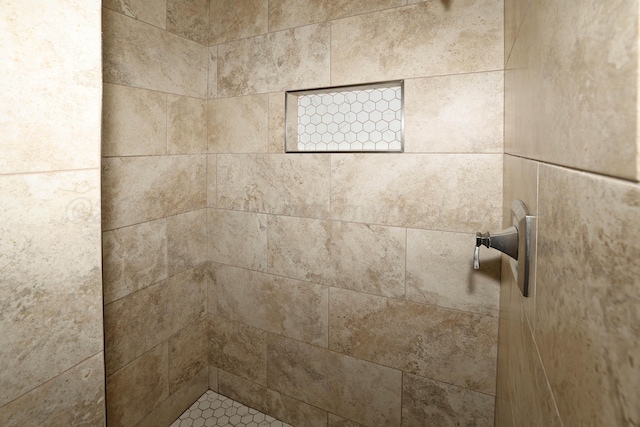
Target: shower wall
point(341, 287)
point(568, 354)
point(154, 219)
point(51, 349)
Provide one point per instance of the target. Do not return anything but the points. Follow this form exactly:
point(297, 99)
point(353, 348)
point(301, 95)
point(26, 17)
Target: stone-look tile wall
point(52, 369)
point(568, 355)
point(342, 290)
point(154, 178)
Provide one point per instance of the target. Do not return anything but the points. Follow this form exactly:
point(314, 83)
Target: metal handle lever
point(476, 258)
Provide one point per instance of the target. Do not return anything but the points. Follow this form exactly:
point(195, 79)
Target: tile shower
point(182, 109)
point(321, 289)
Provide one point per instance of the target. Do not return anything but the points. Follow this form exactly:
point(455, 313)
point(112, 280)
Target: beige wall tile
point(285, 60)
point(212, 183)
point(299, 248)
point(276, 122)
point(374, 47)
point(177, 403)
point(50, 107)
point(514, 12)
point(288, 307)
point(212, 288)
point(213, 378)
point(454, 114)
point(278, 184)
point(238, 125)
point(186, 240)
point(188, 355)
point(360, 257)
point(153, 12)
point(575, 74)
point(137, 54)
point(138, 388)
point(238, 238)
point(134, 121)
point(50, 276)
point(428, 402)
point(290, 13)
point(502, 375)
point(451, 346)
point(143, 320)
point(341, 384)
point(336, 421)
point(189, 18)
point(533, 404)
point(133, 258)
point(138, 189)
point(276, 404)
point(588, 323)
point(212, 84)
point(75, 397)
point(440, 272)
point(455, 192)
point(186, 125)
point(237, 19)
point(238, 349)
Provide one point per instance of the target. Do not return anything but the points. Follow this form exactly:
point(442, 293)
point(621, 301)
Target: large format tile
point(186, 125)
point(179, 401)
point(138, 54)
point(212, 182)
point(450, 346)
point(138, 388)
point(153, 12)
point(188, 354)
point(290, 13)
point(336, 421)
point(353, 388)
point(440, 272)
point(186, 240)
point(533, 404)
point(238, 125)
point(438, 37)
point(50, 276)
point(285, 60)
point(276, 404)
point(74, 398)
point(431, 403)
point(454, 114)
point(189, 19)
point(366, 258)
point(575, 72)
point(276, 122)
point(236, 19)
point(50, 72)
point(295, 185)
point(238, 349)
point(133, 258)
point(238, 238)
point(455, 192)
point(134, 121)
point(587, 316)
point(143, 320)
point(288, 307)
point(138, 189)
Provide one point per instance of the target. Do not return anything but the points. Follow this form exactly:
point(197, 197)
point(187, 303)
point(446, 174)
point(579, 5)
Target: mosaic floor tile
point(214, 410)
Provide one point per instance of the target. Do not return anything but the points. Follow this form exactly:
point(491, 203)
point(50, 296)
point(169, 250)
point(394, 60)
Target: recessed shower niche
point(357, 118)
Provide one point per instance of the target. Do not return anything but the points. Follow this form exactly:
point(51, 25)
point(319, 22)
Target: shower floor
point(212, 409)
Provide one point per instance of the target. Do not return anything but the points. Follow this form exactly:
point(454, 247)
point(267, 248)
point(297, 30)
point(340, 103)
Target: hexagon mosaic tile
point(212, 409)
point(353, 120)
